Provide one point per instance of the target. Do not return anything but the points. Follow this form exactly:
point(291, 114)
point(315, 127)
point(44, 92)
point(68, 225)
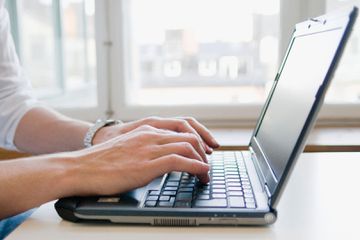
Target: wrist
point(67, 173)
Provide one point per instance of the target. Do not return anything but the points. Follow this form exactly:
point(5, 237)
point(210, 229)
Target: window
point(212, 52)
point(56, 45)
point(346, 84)
point(212, 59)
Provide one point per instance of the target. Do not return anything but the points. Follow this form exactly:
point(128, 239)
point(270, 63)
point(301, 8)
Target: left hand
point(180, 125)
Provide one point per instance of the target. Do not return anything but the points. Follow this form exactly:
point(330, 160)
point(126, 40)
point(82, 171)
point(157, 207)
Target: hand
point(135, 158)
point(185, 125)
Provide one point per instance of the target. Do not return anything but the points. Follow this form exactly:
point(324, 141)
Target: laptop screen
point(302, 73)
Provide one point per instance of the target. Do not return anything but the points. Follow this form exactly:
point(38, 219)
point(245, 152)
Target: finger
point(148, 128)
point(184, 138)
point(203, 132)
point(180, 148)
point(161, 136)
point(178, 125)
point(179, 163)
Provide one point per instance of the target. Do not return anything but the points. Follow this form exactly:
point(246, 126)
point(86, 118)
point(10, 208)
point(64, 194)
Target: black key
point(185, 177)
point(183, 204)
point(169, 203)
point(217, 167)
point(150, 203)
point(218, 190)
point(184, 196)
point(235, 193)
point(174, 176)
point(218, 175)
point(185, 189)
point(233, 180)
point(203, 197)
point(212, 203)
point(169, 193)
point(236, 202)
point(154, 193)
point(219, 195)
point(188, 185)
point(172, 184)
point(232, 184)
point(231, 170)
point(164, 198)
point(204, 187)
point(218, 182)
point(201, 191)
point(218, 178)
point(229, 176)
point(170, 188)
point(232, 174)
point(152, 198)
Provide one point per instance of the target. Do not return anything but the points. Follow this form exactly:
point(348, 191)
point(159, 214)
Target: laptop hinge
point(267, 191)
point(260, 174)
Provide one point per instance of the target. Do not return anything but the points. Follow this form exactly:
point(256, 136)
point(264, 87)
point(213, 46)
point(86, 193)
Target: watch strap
point(100, 123)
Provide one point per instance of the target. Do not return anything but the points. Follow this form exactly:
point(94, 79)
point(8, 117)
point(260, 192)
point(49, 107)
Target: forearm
point(28, 183)
point(45, 131)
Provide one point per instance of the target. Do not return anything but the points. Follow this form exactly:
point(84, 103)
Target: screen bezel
point(341, 20)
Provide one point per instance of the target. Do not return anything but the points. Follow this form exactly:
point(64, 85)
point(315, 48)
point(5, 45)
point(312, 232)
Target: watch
point(100, 123)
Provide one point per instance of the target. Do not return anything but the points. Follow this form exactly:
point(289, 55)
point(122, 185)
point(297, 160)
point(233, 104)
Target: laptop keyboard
point(229, 186)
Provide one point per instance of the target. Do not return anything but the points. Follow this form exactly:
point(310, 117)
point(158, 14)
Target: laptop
point(245, 186)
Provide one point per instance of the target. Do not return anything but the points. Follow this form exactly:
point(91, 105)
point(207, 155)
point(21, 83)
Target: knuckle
point(173, 160)
point(144, 136)
point(146, 128)
point(187, 147)
point(190, 119)
point(193, 138)
point(181, 122)
point(151, 119)
point(184, 123)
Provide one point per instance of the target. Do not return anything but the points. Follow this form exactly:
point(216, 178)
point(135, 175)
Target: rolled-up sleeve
point(15, 89)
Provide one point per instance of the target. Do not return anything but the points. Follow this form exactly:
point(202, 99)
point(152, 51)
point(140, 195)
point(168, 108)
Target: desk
point(321, 139)
point(316, 205)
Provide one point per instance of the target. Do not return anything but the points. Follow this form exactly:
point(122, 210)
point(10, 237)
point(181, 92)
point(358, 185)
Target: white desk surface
point(321, 201)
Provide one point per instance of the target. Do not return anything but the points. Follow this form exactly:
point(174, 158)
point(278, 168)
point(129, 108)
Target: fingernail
point(208, 149)
point(205, 160)
point(215, 143)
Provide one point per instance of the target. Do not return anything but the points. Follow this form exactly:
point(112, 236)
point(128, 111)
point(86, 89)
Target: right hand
point(136, 158)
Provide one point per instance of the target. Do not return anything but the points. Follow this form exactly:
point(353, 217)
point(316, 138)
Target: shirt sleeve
point(15, 88)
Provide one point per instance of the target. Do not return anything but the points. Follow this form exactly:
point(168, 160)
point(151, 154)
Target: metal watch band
point(100, 123)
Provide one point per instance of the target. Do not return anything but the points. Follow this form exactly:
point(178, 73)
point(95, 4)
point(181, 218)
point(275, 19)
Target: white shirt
point(15, 88)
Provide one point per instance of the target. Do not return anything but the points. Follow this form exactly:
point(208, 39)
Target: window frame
point(101, 35)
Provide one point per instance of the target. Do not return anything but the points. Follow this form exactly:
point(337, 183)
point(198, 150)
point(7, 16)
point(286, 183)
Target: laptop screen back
point(302, 73)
